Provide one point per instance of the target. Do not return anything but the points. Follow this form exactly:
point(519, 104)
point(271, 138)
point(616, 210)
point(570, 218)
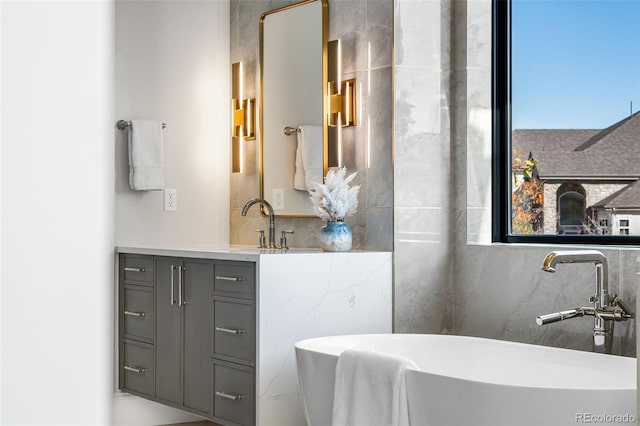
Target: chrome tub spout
point(606, 308)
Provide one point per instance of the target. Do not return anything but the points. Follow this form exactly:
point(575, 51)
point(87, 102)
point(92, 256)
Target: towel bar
point(290, 130)
point(123, 124)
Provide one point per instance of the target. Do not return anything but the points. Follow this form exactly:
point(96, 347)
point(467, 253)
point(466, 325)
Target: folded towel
point(370, 389)
point(145, 155)
point(309, 157)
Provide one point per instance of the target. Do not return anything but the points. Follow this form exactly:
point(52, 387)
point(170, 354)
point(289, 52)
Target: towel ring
point(123, 124)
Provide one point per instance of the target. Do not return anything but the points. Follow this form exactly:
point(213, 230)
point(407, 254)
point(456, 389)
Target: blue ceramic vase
point(336, 236)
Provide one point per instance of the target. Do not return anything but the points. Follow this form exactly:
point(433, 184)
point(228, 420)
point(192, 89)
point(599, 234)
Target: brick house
point(590, 178)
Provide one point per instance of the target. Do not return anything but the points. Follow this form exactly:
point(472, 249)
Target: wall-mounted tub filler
point(606, 308)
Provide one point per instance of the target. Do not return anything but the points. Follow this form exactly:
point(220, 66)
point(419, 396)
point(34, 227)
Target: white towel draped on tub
point(370, 389)
point(146, 155)
point(309, 157)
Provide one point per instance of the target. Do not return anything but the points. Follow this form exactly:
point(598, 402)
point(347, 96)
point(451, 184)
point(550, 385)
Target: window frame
point(501, 145)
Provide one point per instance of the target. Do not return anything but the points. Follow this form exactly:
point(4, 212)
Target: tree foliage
point(527, 201)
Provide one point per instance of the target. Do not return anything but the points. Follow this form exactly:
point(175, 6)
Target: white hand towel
point(146, 155)
point(370, 389)
point(309, 157)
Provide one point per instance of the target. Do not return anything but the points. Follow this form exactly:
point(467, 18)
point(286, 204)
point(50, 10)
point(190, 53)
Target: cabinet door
point(168, 340)
point(198, 282)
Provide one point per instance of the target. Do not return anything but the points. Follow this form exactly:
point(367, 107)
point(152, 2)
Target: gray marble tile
point(418, 95)
point(421, 286)
point(348, 22)
point(379, 229)
point(479, 34)
point(379, 145)
point(417, 33)
point(422, 224)
point(459, 34)
point(379, 33)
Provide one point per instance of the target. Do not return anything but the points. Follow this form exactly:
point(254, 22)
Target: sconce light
point(341, 104)
point(244, 118)
point(342, 93)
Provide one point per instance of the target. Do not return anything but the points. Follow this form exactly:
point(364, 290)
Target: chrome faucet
point(272, 220)
point(606, 308)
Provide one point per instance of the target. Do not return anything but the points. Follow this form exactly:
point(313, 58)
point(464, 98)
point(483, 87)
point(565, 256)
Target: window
point(566, 123)
point(623, 228)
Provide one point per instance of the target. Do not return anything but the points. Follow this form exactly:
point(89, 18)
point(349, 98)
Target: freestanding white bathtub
point(475, 381)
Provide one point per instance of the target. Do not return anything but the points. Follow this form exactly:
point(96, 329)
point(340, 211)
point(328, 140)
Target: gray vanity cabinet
point(183, 324)
point(187, 334)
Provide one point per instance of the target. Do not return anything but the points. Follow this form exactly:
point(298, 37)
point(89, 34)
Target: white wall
point(57, 212)
point(172, 64)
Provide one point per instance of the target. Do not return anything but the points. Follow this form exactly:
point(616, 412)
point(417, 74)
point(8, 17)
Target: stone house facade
point(590, 177)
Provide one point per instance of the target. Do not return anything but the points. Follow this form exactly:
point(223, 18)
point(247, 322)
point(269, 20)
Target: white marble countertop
point(222, 252)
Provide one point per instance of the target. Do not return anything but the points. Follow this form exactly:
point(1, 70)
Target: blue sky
point(576, 63)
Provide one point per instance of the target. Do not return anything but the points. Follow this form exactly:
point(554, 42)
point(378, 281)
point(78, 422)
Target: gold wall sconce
point(244, 118)
point(341, 104)
point(342, 93)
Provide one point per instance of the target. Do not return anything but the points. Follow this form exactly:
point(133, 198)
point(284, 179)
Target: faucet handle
point(262, 239)
point(621, 303)
point(283, 238)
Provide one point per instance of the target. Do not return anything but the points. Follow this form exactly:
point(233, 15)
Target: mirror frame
point(325, 75)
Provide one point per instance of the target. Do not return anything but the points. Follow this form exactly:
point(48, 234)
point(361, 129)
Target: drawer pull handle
point(223, 394)
point(223, 278)
point(138, 370)
point(135, 269)
point(135, 314)
point(229, 330)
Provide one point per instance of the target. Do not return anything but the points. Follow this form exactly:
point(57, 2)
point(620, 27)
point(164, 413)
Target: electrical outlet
point(170, 200)
point(278, 199)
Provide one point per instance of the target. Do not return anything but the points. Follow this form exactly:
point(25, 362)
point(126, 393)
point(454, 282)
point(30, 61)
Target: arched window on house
point(571, 208)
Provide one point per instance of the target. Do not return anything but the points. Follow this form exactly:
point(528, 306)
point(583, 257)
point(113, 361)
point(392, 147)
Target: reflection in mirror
point(293, 80)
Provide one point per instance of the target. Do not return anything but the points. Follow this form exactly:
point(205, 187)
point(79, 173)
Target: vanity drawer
point(233, 393)
point(234, 329)
point(138, 313)
point(137, 269)
point(137, 374)
point(238, 278)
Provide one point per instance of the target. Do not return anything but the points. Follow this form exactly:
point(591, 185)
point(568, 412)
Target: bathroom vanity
point(212, 330)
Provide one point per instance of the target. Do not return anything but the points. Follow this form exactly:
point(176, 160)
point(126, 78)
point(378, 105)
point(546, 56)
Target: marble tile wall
point(449, 278)
point(498, 290)
point(366, 30)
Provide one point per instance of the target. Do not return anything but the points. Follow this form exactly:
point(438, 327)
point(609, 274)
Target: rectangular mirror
point(293, 89)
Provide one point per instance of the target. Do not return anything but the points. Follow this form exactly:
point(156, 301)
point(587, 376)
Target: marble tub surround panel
point(499, 295)
point(353, 292)
point(366, 30)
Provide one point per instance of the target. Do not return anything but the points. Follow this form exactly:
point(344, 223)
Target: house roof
point(627, 197)
point(611, 153)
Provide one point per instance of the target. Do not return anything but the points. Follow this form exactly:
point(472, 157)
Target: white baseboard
point(130, 410)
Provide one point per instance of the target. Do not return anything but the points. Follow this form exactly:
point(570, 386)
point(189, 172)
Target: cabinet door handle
point(138, 370)
point(135, 314)
point(134, 269)
point(180, 285)
point(229, 330)
point(173, 301)
point(223, 394)
point(223, 278)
